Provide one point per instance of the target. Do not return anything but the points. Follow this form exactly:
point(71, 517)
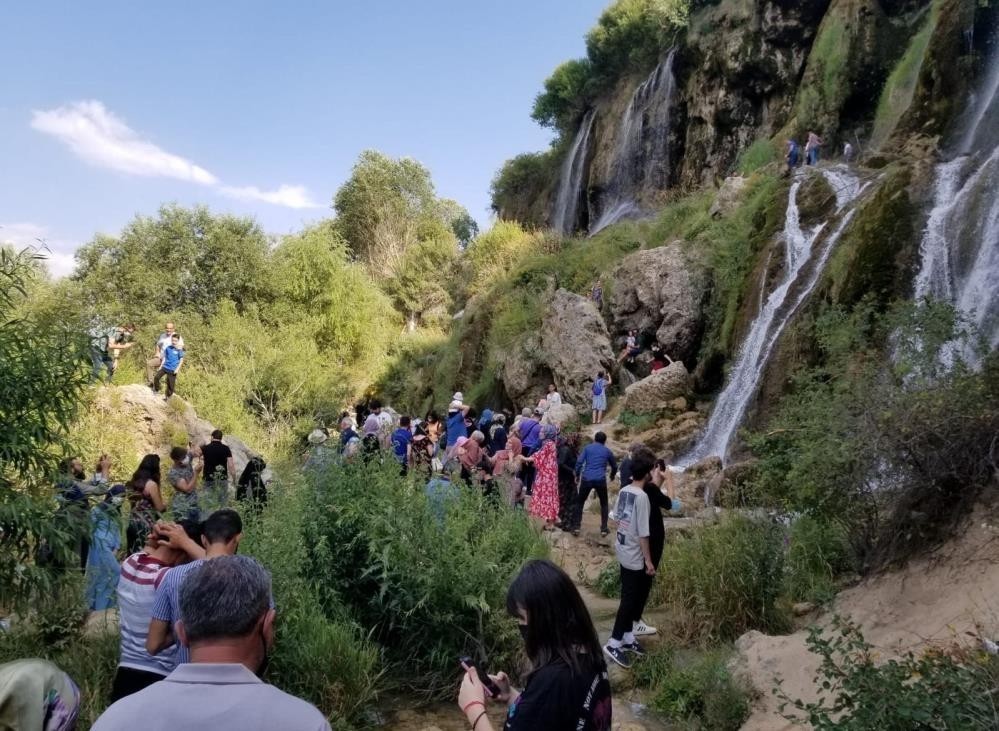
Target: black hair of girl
point(559, 626)
point(151, 465)
point(432, 417)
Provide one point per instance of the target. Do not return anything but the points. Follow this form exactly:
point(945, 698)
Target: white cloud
point(290, 196)
point(22, 235)
point(96, 135)
point(99, 137)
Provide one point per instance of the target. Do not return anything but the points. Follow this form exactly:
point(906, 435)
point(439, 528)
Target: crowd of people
point(196, 620)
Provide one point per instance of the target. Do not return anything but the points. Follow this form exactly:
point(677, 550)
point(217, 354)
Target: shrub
point(319, 655)
point(724, 579)
point(636, 422)
point(695, 687)
point(897, 450)
point(818, 552)
point(935, 690)
point(759, 154)
point(608, 581)
point(428, 579)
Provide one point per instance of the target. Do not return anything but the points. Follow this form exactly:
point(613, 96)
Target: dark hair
point(404, 421)
point(600, 438)
point(600, 374)
point(66, 465)
point(374, 404)
point(222, 526)
point(432, 417)
point(558, 623)
point(217, 434)
point(192, 528)
point(661, 464)
point(641, 466)
point(151, 465)
point(178, 453)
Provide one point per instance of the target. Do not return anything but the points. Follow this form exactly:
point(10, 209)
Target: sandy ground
point(934, 601)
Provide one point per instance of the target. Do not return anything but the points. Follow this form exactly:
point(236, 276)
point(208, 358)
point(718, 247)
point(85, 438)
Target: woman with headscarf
point(544, 501)
point(370, 444)
point(102, 561)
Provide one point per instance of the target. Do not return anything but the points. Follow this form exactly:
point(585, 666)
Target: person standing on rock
point(554, 398)
point(170, 365)
point(634, 554)
point(218, 468)
point(793, 156)
point(600, 384)
point(162, 343)
point(591, 468)
point(812, 148)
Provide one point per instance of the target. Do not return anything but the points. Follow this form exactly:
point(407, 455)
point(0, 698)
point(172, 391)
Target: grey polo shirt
point(211, 697)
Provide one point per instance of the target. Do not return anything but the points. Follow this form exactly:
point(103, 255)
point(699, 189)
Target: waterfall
point(803, 265)
point(565, 215)
point(960, 245)
point(641, 159)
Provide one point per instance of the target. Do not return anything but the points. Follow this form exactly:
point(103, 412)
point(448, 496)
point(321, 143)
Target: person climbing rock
point(631, 348)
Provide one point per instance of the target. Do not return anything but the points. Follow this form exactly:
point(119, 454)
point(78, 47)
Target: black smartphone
point(482, 672)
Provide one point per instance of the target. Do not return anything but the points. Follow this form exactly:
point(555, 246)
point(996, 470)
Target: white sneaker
point(640, 629)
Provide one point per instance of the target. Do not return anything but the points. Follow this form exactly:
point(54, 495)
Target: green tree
point(183, 259)
point(381, 206)
point(456, 216)
point(564, 98)
point(42, 384)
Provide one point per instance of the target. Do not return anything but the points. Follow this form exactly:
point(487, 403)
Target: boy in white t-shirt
point(634, 554)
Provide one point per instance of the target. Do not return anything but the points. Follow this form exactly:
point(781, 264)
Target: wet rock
point(654, 393)
point(707, 466)
point(661, 291)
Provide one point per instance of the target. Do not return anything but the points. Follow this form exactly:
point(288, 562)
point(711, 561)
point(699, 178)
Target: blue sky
point(109, 109)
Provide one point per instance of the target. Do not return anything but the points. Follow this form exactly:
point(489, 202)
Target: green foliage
point(184, 259)
point(42, 383)
point(725, 579)
point(818, 552)
point(935, 690)
point(636, 422)
point(696, 688)
point(563, 100)
point(324, 657)
point(429, 581)
point(518, 190)
point(759, 154)
point(608, 581)
point(496, 253)
point(896, 96)
point(632, 35)
point(825, 84)
point(880, 445)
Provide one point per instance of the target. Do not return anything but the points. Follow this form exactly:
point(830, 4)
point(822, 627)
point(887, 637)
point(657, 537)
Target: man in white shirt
point(635, 556)
point(554, 398)
point(228, 625)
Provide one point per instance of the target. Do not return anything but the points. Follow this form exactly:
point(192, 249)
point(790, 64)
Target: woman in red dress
point(544, 503)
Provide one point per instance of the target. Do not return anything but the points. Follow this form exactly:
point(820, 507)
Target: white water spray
point(565, 215)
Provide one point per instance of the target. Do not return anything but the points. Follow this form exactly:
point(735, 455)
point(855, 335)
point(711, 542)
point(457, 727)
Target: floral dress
point(544, 503)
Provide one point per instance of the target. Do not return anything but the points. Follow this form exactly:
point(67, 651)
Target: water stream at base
point(803, 265)
point(641, 157)
point(565, 214)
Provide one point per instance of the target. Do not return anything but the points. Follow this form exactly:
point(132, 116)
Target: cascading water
point(804, 262)
point(960, 246)
point(641, 157)
point(565, 215)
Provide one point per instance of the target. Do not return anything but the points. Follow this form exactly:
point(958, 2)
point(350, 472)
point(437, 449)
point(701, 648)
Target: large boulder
point(575, 345)
point(561, 416)
point(524, 375)
point(663, 292)
point(654, 394)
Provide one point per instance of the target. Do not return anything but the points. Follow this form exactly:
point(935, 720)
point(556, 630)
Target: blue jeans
point(101, 360)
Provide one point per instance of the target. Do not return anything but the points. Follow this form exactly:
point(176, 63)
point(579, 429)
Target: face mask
point(262, 670)
point(523, 631)
point(117, 500)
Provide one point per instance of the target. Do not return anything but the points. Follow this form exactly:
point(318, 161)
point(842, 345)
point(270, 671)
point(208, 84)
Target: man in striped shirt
point(220, 536)
point(141, 574)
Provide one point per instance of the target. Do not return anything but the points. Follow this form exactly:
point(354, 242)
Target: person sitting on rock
point(631, 348)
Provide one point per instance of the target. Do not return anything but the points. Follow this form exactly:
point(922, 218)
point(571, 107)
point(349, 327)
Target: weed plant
point(427, 578)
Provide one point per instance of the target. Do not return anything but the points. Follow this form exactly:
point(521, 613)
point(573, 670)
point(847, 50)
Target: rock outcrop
point(656, 392)
point(661, 292)
point(574, 345)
